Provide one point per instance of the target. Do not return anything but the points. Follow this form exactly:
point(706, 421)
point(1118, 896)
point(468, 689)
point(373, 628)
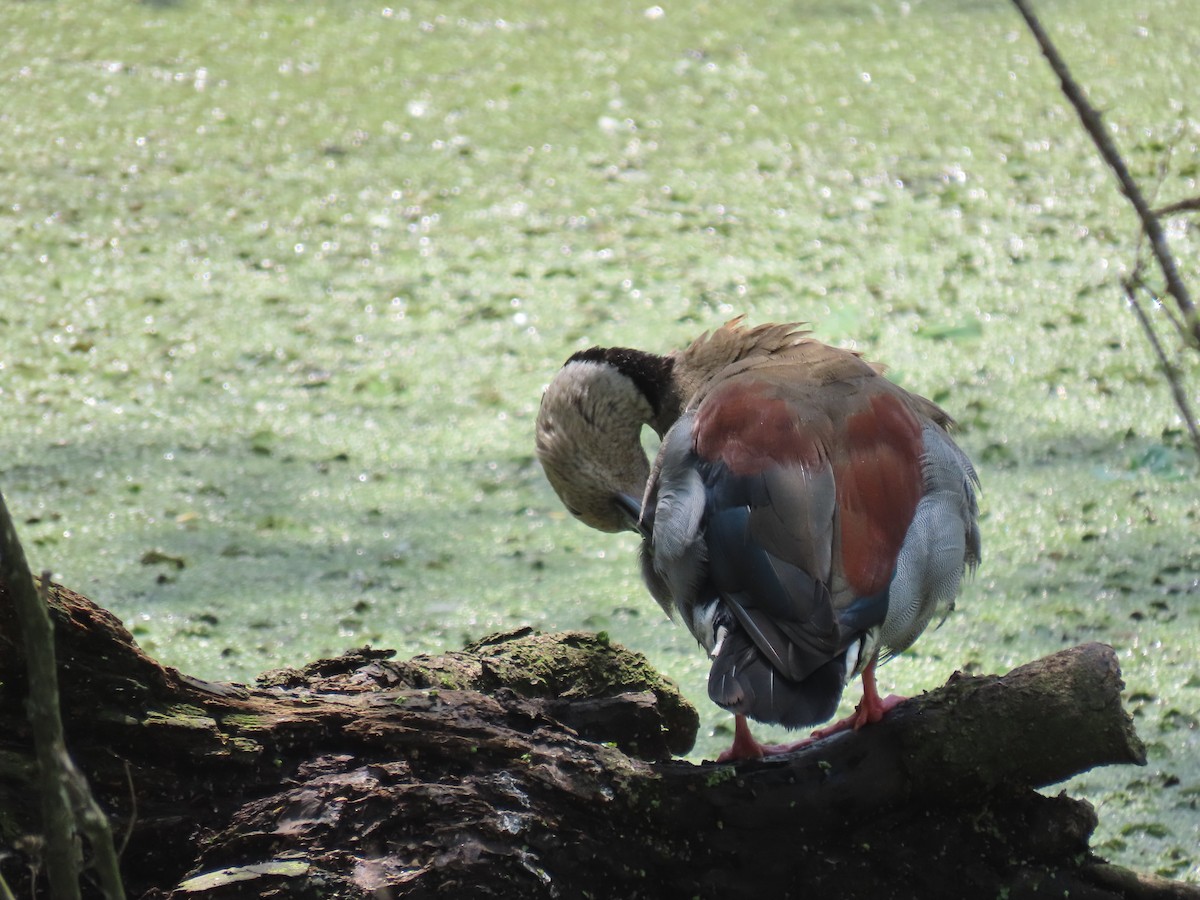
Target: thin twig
point(133, 811)
point(94, 824)
point(89, 817)
point(1181, 401)
point(1095, 127)
point(1135, 277)
point(68, 806)
point(1190, 204)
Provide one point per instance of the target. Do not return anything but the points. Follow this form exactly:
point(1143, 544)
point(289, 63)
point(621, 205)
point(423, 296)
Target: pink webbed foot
point(870, 710)
point(746, 747)
point(866, 713)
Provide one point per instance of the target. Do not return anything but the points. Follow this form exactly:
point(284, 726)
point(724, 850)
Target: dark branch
point(1190, 204)
point(1092, 123)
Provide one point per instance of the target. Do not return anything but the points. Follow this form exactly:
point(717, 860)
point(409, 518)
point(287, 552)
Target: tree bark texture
point(533, 766)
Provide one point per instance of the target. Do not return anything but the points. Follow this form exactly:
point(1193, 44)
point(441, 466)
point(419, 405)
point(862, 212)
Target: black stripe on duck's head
point(589, 427)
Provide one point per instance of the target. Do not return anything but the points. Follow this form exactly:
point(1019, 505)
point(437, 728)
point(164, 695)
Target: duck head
point(589, 432)
point(589, 426)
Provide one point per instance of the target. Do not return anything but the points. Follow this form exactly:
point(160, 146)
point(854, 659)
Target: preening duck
point(803, 516)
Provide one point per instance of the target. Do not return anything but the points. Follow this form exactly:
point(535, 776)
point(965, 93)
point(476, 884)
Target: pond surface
point(283, 284)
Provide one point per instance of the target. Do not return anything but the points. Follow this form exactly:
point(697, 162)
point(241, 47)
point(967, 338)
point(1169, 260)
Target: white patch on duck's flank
point(702, 627)
point(722, 633)
point(853, 653)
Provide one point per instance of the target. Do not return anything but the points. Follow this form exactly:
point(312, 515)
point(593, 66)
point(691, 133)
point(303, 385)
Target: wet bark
point(540, 766)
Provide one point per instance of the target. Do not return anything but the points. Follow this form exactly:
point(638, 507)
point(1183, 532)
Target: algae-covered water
point(282, 284)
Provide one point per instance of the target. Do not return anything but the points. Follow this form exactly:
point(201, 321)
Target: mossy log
point(532, 766)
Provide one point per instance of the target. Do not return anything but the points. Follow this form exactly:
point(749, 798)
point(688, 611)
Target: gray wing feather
point(942, 542)
point(678, 559)
point(794, 517)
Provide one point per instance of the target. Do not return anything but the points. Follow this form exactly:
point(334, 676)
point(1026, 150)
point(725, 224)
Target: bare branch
point(1092, 123)
point(1189, 204)
point(1181, 401)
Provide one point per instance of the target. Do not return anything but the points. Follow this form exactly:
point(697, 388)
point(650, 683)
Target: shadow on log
point(532, 766)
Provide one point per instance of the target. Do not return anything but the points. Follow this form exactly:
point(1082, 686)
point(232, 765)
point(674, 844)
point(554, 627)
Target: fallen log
point(536, 766)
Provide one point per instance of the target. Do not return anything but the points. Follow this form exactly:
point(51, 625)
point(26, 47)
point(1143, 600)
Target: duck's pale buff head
point(589, 428)
point(589, 436)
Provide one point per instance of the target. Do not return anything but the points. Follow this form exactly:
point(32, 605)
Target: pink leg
point(869, 711)
point(746, 747)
